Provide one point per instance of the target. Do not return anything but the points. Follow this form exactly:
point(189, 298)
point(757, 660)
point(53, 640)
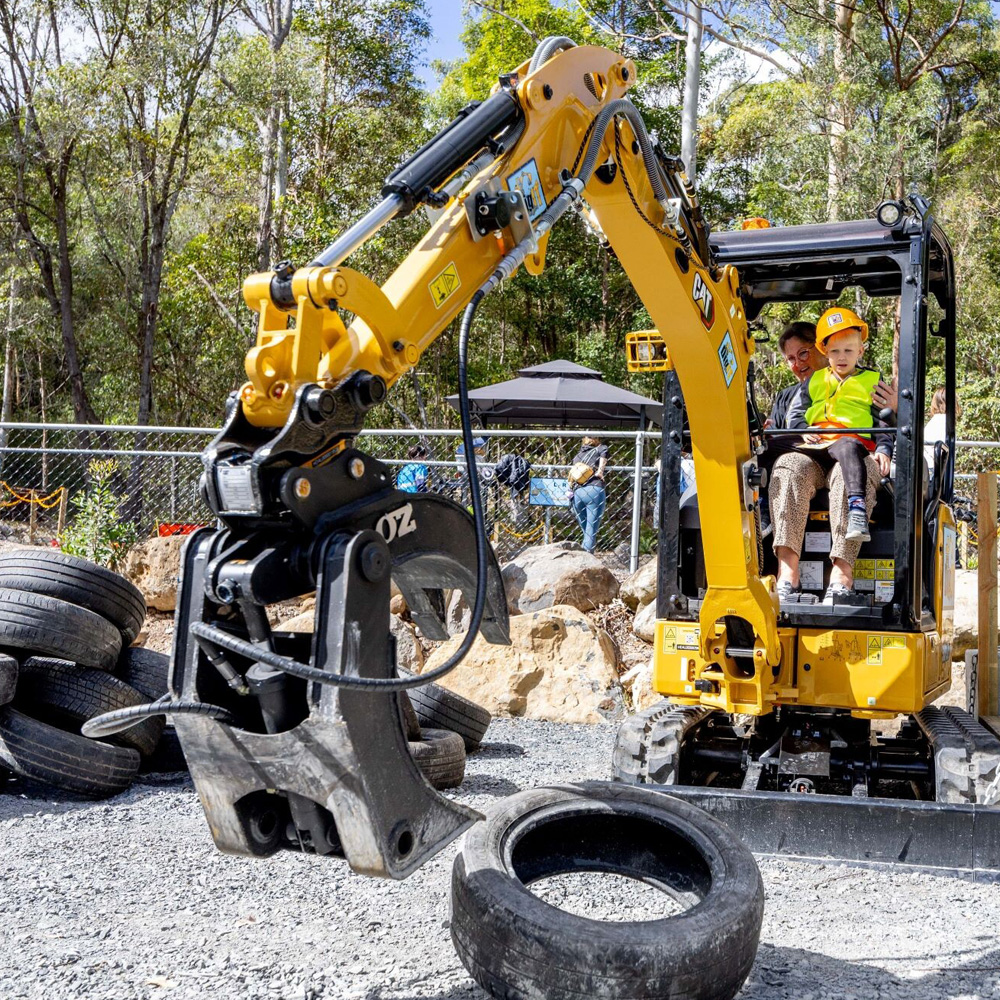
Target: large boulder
point(640, 587)
point(544, 576)
point(559, 667)
point(966, 613)
point(154, 566)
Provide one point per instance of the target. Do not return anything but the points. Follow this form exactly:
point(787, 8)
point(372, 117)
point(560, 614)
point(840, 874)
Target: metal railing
point(157, 472)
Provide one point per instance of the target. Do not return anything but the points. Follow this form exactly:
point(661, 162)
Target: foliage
point(99, 530)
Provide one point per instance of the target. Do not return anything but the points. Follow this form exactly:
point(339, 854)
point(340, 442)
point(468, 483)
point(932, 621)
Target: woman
point(587, 494)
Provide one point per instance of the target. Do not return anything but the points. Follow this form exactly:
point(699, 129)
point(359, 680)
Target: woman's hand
point(883, 462)
point(885, 396)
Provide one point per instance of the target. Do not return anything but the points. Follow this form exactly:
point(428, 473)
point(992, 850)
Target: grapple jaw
point(307, 765)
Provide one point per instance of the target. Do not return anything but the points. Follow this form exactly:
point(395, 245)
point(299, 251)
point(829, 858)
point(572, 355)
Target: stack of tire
point(442, 728)
point(65, 629)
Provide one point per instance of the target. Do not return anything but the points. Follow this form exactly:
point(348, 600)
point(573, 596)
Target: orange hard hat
point(836, 320)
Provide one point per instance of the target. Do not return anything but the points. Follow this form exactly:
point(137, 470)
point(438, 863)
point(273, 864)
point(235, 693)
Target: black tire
point(168, 757)
point(68, 695)
point(145, 669)
point(44, 753)
point(77, 581)
point(439, 708)
point(8, 678)
point(36, 623)
point(440, 755)
point(411, 724)
point(516, 945)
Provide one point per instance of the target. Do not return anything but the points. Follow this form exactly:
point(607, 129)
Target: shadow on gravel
point(20, 796)
point(498, 751)
point(486, 784)
point(469, 992)
point(792, 972)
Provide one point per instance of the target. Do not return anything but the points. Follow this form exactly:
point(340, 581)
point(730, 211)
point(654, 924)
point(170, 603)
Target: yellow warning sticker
point(875, 650)
point(445, 285)
point(864, 569)
point(893, 642)
point(670, 640)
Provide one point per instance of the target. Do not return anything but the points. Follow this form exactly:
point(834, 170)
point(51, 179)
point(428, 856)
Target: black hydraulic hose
point(125, 718)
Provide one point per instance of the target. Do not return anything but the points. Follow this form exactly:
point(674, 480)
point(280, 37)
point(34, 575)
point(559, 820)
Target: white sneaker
point(857, 527)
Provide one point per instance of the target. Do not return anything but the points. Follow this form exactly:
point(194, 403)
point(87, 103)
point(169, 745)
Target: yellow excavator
point(297, 741)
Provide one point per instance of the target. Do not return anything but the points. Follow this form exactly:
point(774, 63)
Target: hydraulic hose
point(547, 48)
point(125, 718)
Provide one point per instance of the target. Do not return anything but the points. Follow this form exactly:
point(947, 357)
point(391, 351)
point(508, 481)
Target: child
point(841, 396)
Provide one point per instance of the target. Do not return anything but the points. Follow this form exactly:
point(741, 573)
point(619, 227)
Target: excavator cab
point(848, 712)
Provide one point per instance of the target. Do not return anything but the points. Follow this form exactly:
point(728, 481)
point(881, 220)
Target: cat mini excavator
point(297, 741)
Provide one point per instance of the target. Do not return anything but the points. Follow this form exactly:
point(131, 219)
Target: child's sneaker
point(857, 526)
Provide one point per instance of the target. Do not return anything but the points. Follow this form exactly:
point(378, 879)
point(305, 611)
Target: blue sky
point(446, 26)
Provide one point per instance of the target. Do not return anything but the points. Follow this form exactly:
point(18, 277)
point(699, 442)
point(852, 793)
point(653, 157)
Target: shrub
point(99, 532)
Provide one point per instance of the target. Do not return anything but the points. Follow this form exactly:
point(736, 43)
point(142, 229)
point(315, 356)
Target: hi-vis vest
point(841, 403)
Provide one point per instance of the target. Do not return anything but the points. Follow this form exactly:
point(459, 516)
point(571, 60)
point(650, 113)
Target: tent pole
point(637, 492)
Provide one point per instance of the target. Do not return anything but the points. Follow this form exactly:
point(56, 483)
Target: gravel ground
point(129, 899)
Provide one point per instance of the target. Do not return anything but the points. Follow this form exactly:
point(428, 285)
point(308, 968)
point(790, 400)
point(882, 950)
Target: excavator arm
point(301, 745)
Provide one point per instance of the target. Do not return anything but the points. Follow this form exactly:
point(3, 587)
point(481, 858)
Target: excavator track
point(649, 743)
point(966, 756)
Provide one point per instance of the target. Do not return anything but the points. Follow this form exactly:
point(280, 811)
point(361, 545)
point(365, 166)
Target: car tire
point(439, 708)
point(77, 581)
point(37, 623)
point(8, 678)
point(68, 695)
point(440, 755)
point(516, 945)
point(145, 670)
point(41, 752)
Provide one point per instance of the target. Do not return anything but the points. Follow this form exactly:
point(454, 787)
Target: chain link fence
point(46, 471)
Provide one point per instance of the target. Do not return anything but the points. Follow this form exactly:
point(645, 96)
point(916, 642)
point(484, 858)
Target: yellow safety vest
point(841, 402)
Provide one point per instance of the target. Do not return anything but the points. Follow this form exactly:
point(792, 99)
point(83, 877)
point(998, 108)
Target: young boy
point(841, 396)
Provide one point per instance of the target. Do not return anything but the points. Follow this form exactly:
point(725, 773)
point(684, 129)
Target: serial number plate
point(235, 490)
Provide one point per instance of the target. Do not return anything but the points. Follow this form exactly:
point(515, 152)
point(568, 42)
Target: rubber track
point(50, 627)
point(88, 767)
point(78, 581)
point(78, 694)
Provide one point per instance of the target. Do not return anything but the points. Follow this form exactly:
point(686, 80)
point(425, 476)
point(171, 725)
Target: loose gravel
point(130, 899)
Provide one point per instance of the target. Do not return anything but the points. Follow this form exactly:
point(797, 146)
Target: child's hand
point(812, 438)
point(883, 462)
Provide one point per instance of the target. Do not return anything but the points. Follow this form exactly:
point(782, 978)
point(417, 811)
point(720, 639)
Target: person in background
point(412, 477)
point(588, 496)
point(936, 428)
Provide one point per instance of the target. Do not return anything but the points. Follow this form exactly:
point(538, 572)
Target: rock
point(154, 566)
point(559, 668)
point(409, 653)
point(544, 576)
point(966, 613)
point(458, 614)
point(644, 623)
point(639, 683)
point(397, 605)
point(640, 587)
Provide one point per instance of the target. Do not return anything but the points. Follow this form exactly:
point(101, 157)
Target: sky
point(444, 43)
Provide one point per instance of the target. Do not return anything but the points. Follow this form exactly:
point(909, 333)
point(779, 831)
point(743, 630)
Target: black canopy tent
point(560, 394)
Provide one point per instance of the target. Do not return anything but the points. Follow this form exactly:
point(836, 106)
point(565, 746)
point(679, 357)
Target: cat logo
point(704, 300)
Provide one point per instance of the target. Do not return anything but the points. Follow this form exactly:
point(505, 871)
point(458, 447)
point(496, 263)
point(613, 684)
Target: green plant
point(99, 531)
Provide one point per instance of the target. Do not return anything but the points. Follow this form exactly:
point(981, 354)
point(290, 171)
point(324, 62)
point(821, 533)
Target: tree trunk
point(692, 87)
point(265, 209)
point(839, 112)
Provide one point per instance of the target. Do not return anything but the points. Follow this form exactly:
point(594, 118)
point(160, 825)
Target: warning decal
point(727, 358)
point(893, 642)
point(875, 650)
point(445, 285)
point(669, 640)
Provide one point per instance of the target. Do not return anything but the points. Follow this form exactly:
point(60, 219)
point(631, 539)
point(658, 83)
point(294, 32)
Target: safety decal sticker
point(893, 642)
point(874, 650)
point(526, 180)
point(675, 639)
point(704, 300)
point(445, 285)
point(670, 640)
point(727, 358)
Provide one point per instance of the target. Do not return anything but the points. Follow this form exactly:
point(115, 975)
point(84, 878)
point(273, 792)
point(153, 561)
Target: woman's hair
point(591, 439)
point(806, 332)
point(417, 451)
point(939, 401)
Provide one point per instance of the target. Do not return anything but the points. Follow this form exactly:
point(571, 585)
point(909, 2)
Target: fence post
point(636, 501)
point(32, 518)
point(986, 672)
point(63, 503)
